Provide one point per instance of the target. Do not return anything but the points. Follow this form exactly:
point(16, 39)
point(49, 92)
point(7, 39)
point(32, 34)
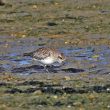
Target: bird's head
point(61, 58)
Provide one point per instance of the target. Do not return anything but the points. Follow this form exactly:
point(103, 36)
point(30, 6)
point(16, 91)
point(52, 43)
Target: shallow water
point(78, 28)
point(90, 59)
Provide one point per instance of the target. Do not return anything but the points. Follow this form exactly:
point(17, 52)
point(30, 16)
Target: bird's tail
point(28, 54)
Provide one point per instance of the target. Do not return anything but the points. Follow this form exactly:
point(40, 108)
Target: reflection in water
point(23, 62)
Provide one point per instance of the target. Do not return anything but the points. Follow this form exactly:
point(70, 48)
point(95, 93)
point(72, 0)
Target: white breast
point(47, 61)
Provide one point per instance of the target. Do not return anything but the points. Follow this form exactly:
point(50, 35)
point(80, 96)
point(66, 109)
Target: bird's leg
point(52, 69)
point(49, 68)
point(47, 71)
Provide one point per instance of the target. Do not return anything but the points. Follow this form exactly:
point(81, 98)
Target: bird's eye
point(60, 57)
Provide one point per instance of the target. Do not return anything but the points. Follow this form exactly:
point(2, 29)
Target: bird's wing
point(41, 54)
point(28, 54)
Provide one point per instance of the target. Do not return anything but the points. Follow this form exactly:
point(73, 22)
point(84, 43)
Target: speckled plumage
point(48, 56)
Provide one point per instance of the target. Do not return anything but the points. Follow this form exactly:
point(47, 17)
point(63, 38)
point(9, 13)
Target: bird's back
point(41, 53)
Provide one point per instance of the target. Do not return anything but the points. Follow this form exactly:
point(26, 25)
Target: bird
point(48, 56)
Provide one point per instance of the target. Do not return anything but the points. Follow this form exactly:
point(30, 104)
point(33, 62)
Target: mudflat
point(79, 29)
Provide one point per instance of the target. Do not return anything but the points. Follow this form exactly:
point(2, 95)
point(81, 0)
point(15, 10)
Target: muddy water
point(92, 59)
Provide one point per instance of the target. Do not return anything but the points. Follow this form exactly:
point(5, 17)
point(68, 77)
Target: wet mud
point(79, 29)
point(79, 59)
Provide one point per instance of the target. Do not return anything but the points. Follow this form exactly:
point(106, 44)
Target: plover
point(48, 56)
